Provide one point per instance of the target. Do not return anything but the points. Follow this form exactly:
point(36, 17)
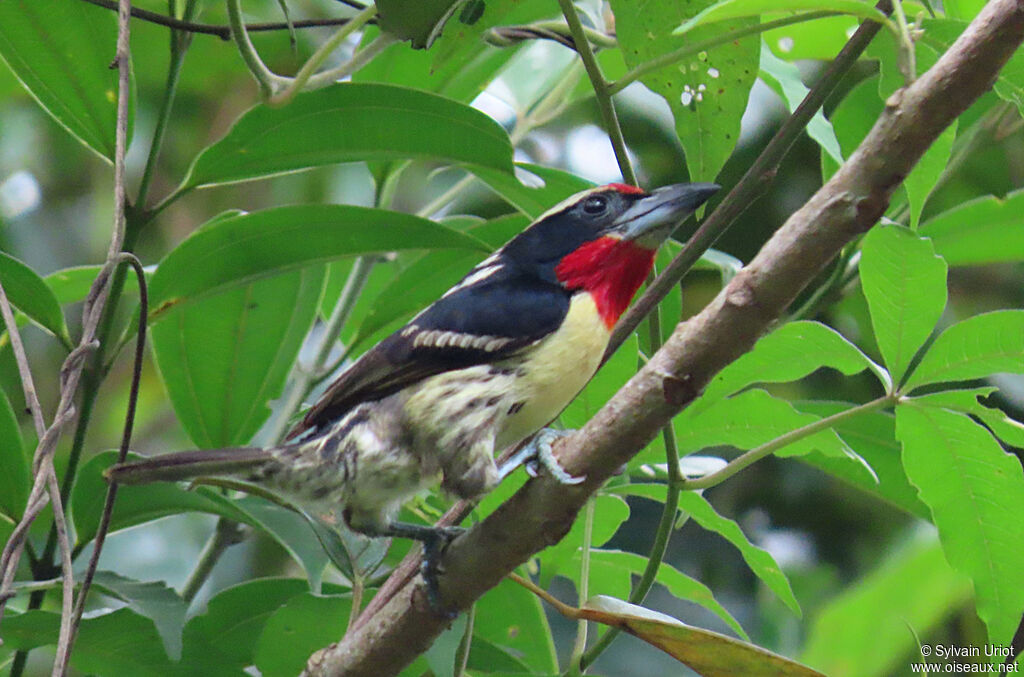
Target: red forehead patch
point(626, 188)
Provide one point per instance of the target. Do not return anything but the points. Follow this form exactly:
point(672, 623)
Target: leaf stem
point(601, 92)
point(226, 534)
point(583, 586)
point(768, 448)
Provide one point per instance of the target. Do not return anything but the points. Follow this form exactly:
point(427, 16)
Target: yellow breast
point(556, 370)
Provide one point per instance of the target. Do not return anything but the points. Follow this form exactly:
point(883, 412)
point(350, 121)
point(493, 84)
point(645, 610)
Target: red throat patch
point(611, 270)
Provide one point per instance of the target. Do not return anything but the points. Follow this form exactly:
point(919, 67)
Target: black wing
point(493, 313)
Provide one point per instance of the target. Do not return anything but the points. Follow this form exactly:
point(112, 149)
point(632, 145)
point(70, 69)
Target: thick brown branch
point(849, 204)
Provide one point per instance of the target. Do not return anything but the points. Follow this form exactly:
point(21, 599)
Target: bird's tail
point(186, 465)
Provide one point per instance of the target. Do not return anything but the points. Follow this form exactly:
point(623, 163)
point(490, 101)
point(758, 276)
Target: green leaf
point(235, 249)
point(556, 186)
point(784, 78)
point(302, 625)
point(16, 478)
point(30, 294)
point(905, 285)
point(458, 79)
point(610, 513)
point(981, 231)
point(611, 570)
point(292, 531)
point(872, 435)
point(419, 21)
point(852, 120)
point(974, 348)
point(760, 561)
point(153, 600)
point(820, 39)
point(137, 504)
point(736, 9)
point(707, 92)
point(751, 419)
point(61, 52)
point(347, 122)
point(1002, 426)
point(222, 358)
point(789, 353)
point(940, 34)
point(975, 492)
point(70, 285)
point(926, 172)
point(866, 630)
point(229, 631)
point(111, 645)
point(512, 619)
point(423, 281)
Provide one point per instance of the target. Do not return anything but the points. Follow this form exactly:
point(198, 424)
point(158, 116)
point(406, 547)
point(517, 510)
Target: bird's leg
point(435, 540)
point(536, 454)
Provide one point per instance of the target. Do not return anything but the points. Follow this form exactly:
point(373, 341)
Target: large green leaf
point(235, 249)
point(905, 285)
point(151, 599)
point(224, 357)
point(347, 122)
point(302, 625)
point(981, 231)
point(866, 630)
point(872, 435)
point(61, 52)
point(940, 34)
point(975, 492)
point(967, 401)
point(512, 618)
point(137, 504)
point(820, 39)
point(611, 573)
point(111, 645)
point(750, 419)
point(707, 92)
point(16, 479)
point(530, 200)
point(735, 9)
point(791, 352)
point(610, 512)
point(228, 632)
point(293, 532)
point(784, 78)
point(974, 348)
point(852, 119)
point(27, 292)
point(760, 561)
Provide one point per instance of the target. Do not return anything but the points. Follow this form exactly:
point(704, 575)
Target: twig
point(600, 85)
point(71, 373)
point(222, 32)
point(853, 200)
point(754, 182)
point(24, 370)
point(126, 437)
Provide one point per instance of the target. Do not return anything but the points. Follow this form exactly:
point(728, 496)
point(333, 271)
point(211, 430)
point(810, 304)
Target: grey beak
point(652, 219)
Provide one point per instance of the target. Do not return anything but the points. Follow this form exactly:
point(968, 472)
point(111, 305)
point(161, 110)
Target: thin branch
point(126, 437)
point(600, 85)
point(24, 369)
point(754, 182)
point(222, 32)
point(853, 200)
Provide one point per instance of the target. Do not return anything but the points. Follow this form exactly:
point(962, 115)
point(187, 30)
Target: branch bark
point(540, 513)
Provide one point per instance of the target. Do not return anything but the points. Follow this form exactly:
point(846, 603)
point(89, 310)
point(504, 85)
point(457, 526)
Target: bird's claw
point(433, 550)
point(537, 454)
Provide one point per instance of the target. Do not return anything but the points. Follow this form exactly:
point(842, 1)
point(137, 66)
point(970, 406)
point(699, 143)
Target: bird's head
point(603, 241)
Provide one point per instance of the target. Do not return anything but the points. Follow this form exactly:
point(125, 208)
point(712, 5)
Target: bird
point(486, 366)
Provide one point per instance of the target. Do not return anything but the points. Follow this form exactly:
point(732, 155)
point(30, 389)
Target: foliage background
point(851, 556)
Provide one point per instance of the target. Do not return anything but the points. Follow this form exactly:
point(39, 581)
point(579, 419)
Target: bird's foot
point(435, 540)
point(537, 454)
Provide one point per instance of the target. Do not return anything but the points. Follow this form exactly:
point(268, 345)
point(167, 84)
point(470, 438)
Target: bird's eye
point(595, 204)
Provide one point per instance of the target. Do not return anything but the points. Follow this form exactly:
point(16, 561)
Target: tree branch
point(542, 511)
